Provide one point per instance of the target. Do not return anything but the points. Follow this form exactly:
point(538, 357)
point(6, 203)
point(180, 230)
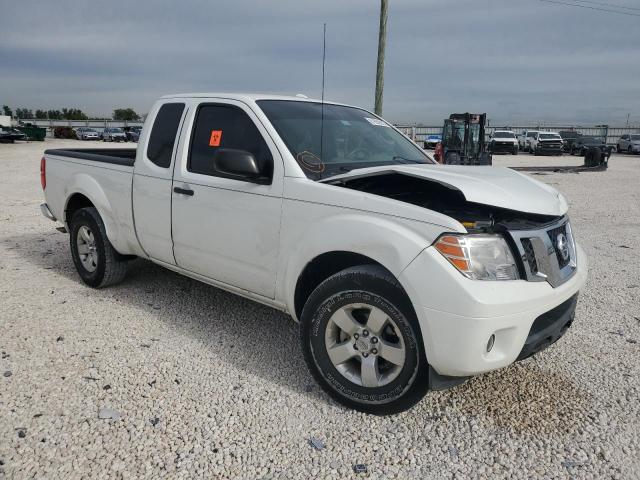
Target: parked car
point(133, 133)
point(568, 139)
point(10, 135)
point(503, 141)
point(405, 275)
point(113, 134)
point(64, 132)
point(581, 144)
point(86, 133)
point(545, 143)
point(629, 143)
point(524, 139)
point(432, 140)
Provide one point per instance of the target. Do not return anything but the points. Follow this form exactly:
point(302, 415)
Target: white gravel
point(164, 377)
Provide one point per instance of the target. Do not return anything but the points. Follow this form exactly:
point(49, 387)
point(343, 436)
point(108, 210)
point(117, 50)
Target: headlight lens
point(479, 256)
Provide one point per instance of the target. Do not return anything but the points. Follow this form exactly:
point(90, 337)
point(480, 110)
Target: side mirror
point(238, 164)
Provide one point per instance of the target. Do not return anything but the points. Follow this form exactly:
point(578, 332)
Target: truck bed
point(117, 156)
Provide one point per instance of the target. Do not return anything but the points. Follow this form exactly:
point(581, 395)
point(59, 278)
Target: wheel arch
point(322, 267)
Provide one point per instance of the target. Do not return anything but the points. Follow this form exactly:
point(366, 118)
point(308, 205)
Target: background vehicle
point(405, 275)
point(64, 132)
point(86, 133)
point(629, 143)
point(463, 140)
point(503, 141)
point(10, 135)
point(524, 139)
point(545, 143)
point(432, 140)
point(133, 133)
point(581, 144)
point(568, 139)
point(113, 134)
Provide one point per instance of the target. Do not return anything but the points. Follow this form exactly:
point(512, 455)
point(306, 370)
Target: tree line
point(66, 114)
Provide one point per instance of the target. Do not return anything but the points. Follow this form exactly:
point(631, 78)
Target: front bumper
point(503, 147)
point(458, 316)
point(542, 148)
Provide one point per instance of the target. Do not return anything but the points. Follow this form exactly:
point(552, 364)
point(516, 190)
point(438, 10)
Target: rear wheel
point(629, 150)
point(97, 262)
point(362, 343)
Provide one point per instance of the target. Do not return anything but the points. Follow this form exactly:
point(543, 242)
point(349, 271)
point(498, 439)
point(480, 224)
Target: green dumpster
point(33, 133)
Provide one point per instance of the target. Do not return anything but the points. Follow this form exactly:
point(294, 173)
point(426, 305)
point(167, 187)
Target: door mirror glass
point(237, 163)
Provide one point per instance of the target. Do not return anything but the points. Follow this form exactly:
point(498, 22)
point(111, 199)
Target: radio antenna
point(324, 55)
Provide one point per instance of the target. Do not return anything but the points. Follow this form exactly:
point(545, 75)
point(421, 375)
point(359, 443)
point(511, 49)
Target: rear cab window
point(163, 134)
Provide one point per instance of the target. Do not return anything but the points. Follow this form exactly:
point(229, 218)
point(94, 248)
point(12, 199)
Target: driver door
point(223, 228)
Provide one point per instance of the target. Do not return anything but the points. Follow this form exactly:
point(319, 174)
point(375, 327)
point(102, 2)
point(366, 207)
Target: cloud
point(515, 59)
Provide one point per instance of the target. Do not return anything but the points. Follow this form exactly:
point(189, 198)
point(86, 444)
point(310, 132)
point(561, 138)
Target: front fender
point(390, 241)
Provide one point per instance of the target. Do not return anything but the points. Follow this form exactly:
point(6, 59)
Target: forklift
point(463, 140)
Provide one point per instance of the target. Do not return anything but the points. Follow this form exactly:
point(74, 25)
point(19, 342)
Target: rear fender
point(86, 185)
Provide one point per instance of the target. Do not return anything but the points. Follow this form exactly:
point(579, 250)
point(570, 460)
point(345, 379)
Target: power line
point(557, 2)
point(605, 4)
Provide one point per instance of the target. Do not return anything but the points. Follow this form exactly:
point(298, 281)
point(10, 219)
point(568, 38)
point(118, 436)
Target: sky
point(518, 60)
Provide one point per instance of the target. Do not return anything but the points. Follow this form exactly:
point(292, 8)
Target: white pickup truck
point(404, 275)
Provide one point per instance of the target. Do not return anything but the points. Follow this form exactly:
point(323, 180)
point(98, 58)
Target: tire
point(102, 266)
point(618, 149)
point(515, 151)
point(630, 150)
point(350, 297)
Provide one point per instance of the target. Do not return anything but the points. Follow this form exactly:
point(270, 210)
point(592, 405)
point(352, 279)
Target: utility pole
point(382, 40)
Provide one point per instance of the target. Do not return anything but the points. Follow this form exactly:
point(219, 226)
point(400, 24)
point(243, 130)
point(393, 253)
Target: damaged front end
point(501, 243)
point(448, 200)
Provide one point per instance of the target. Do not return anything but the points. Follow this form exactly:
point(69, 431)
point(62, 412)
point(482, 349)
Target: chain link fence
point(609, 134)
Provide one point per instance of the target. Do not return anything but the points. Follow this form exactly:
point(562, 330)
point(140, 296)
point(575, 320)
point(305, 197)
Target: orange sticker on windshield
point(216, 137)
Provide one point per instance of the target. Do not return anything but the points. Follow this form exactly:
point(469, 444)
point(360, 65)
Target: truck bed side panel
point(106, 185)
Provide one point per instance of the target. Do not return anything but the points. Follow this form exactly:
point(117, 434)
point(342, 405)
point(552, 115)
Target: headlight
point(479, 257)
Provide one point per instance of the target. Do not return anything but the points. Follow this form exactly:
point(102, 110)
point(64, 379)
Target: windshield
point(504, 135)
point(351, 138)
point(116, 130)
point(549, 136)
point(531, 134)
point(635, 137)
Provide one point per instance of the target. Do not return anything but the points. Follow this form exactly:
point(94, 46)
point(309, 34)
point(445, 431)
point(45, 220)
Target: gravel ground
point(206, 384)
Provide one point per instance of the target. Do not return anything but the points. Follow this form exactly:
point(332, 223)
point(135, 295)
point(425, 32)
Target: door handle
point(183, 191)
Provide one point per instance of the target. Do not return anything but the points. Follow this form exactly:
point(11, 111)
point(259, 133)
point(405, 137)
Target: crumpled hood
point(496, 186)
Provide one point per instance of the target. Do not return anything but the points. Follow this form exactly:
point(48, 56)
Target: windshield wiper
point(398, 157)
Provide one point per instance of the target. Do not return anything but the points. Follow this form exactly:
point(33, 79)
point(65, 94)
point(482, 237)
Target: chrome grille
point(529, 255)
point(553, 236)
point(541, 256)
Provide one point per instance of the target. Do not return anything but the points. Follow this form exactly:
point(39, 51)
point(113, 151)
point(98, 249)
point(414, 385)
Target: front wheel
point(362, 343)
point(97, 262)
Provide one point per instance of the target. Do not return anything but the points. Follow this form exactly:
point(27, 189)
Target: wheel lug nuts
point(356, 336)
point(365, 333)
point(365, 354)
point(374, 339)
point(355, 345)
point(374, 351)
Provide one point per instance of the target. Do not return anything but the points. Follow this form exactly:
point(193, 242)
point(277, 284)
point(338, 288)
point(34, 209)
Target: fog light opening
point(492, 340)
